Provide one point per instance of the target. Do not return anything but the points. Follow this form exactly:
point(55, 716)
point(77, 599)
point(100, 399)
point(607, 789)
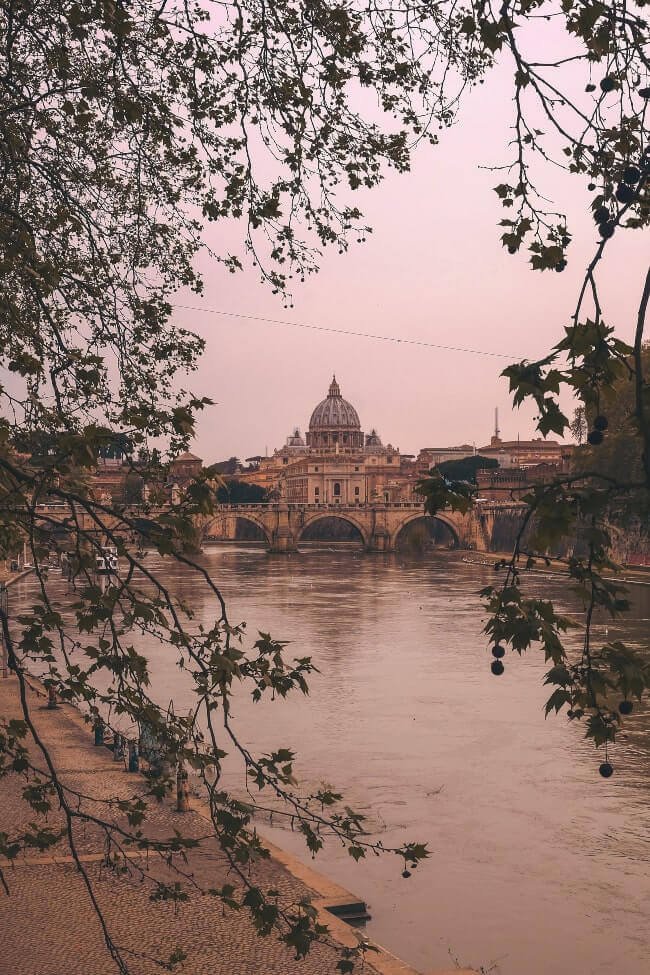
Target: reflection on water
point(538, 863)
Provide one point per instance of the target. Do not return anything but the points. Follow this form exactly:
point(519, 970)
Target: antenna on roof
point(496, 422)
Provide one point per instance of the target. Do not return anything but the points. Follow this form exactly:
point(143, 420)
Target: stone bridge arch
point(420, 515)
point(217, 522)
point(345, 515)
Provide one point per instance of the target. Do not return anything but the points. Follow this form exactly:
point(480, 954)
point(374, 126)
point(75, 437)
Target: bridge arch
point(312, 519)
point(237, 516)
point(420, 516)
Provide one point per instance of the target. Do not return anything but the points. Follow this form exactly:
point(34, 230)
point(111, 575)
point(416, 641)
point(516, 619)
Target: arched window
point(337, 489)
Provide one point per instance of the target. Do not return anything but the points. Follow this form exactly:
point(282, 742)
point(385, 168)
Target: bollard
point(118, 747)
point(99, 732)
point(182, 789)
point(134, 763)
point(51, 698)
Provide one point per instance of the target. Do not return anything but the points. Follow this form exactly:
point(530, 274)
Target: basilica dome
point(335, 423)
point(334, 412)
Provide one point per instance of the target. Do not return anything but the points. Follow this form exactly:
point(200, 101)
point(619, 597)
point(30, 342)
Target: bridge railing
point(315, 505)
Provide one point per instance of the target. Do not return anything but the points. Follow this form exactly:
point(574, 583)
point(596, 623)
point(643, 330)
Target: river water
point(539, 866)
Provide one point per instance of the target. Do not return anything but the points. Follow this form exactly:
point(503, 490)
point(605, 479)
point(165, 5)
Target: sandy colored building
point(335, 462)
point(526, 453)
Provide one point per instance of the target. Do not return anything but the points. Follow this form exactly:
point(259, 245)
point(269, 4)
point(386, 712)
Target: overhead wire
point(344, 331)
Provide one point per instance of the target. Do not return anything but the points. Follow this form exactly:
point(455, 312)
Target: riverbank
point(48, 923)
point(633, 576)
point(9, 578)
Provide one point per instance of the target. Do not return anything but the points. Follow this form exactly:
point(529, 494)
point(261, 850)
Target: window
point(285, 460)
point(390, 460)
point(345, 438)
point(316, 469)
point(356, 492)
point(337, 489)
point(335, 438)
point(316, 491)
point(356, 468)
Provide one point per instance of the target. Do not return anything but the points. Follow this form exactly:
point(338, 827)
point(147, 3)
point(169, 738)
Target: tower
point(496, 439)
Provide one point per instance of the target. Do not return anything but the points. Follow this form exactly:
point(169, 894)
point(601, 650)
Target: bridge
point(379, 525)
point(486, 527)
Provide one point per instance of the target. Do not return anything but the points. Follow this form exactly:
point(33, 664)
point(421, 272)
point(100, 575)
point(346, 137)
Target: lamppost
point(4, 609)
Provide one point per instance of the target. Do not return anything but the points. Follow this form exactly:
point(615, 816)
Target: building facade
point(526, 453)
point(336, 462)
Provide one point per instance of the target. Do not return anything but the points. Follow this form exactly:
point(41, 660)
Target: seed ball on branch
point(607, 84)
point(497, 668)
point(601, 214)
point(626, 707)
point(595, 438)
point(606, 770)
point(498, 651)
point(606, 229)
point(512, 250)
point(624, 193)
point(405, 874)
point(560, 266)
point(631, 175)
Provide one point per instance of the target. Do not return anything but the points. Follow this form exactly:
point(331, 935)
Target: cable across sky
point(345, 331)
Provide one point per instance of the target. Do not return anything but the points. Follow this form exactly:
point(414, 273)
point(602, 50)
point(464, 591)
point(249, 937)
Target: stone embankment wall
point(631, 545)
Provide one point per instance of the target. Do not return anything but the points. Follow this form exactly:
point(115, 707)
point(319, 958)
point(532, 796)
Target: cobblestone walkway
point(47, 923)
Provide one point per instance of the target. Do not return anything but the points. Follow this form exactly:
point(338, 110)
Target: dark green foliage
point(226, 466)
point(466, 468)
point(233, 491)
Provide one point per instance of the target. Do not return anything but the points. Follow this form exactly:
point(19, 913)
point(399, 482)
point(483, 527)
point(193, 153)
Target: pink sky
point(434, 269)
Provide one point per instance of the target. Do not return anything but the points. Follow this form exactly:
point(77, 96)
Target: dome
point(334, 412)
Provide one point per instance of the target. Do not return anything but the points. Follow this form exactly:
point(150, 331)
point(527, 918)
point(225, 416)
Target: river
point(539, 866)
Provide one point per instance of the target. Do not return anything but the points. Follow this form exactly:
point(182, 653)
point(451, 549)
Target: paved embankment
point(630, 575)
point(8, 578)
point(48, 924)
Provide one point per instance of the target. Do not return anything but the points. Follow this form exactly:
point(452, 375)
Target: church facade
point(335, 463)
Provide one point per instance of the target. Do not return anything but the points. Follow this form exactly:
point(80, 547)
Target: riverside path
point(48, 924)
